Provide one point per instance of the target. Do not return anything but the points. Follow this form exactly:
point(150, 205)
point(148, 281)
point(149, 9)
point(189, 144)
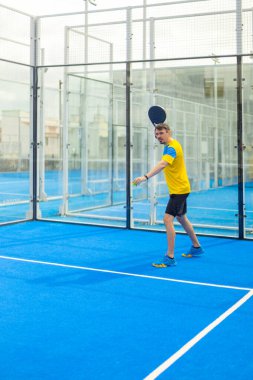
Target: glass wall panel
point(14, 142)
point(82, 176)
point(83, 168)
point(248, 144)
point(87, 148)
point(15, 37)
point(200, 101)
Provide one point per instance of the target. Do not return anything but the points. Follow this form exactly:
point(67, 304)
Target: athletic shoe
point(194, 252)
point(165, 262)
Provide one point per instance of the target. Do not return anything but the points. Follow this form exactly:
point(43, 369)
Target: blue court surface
point(84, 303)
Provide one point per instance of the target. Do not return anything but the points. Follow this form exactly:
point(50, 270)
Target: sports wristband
point(145, 175)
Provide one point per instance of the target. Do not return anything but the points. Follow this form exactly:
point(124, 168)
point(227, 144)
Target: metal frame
point(37, 146)
point(128, 107)
point(240, 144)
point(65, 144)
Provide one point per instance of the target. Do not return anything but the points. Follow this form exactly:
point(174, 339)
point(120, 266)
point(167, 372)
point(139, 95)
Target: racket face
point(157, 115)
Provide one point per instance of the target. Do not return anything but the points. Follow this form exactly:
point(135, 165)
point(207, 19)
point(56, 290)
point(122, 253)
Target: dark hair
point(161, 126)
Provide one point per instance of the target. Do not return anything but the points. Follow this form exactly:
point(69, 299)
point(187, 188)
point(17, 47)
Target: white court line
point(197, 207)
point(20, 194)
point(123, 273)
point(206, 208)
point(165, 365)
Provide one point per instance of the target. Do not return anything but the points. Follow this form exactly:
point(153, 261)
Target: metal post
point(241, 195)
point(65, 145)
point(240, 145)
point(129, 126)
point(33, 210)
point(84, 112)
point(128, 148)
point(144, 55)
point(35, 142)
point(197, 155)
point(216, 132)
point(41, 124)
point(151, 143)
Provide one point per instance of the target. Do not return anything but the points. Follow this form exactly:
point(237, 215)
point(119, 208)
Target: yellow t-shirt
point(175, 173)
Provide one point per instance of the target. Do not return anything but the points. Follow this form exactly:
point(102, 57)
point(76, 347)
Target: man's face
point(162, 135)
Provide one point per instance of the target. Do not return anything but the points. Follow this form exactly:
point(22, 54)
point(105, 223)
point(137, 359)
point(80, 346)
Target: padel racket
point(156, 115)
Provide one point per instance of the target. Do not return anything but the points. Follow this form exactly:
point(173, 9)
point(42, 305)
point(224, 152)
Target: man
point(173, 166)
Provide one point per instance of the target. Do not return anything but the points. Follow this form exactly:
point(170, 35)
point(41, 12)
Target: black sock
point(196, 247)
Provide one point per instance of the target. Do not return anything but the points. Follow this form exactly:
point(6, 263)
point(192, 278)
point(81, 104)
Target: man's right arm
point(156, 169)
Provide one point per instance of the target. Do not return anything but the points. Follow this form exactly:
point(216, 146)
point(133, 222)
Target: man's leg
point(171, 234)
point(184, 221)
point(168, 260)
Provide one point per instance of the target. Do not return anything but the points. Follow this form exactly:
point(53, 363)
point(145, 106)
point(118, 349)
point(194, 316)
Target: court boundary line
point(124, 273)
point(178, 354)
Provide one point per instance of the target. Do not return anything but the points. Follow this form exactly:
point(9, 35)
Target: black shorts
point(177, 205)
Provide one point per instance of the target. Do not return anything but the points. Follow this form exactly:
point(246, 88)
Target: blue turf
point(63, 323)
point(134, 250)
point(229, 349)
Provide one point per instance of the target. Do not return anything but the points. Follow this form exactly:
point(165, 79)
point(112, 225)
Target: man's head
point(162, 133)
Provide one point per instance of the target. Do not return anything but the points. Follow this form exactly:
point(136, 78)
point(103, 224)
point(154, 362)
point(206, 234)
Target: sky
point(42, 7)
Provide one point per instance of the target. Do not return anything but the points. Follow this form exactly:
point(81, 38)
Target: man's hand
point(157, 169)
point(138, 180)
